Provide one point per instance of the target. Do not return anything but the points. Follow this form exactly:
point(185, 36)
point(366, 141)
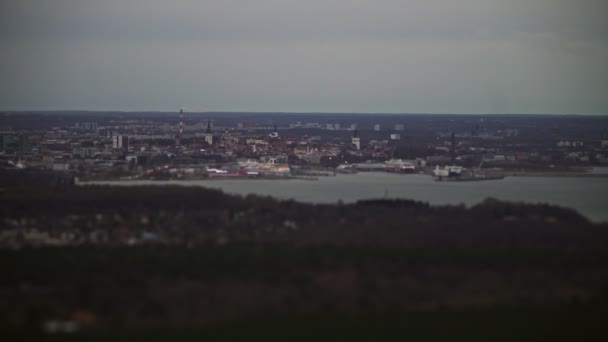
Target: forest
point(195, 263)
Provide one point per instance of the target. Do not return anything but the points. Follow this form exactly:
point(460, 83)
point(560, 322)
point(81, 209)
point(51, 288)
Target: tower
point(209, 134)
point(356, 141)
point(180, 134)
point(274, 133)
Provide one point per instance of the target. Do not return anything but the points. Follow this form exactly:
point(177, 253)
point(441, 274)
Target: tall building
point(125, 143)
point(23, 145)
point(120, 142)
point(377, 127)
point(8, 143)
point(209, 134)
point(87, 126)
point(399, 127)
point(356, 141)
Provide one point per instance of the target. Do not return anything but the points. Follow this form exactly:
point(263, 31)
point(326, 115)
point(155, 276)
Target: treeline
point(191, 215)
point(155, 257)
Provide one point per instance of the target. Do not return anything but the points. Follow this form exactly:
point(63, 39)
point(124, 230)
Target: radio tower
point(180, 134)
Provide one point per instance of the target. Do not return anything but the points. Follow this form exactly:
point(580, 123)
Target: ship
point(371, 166)
point(347, 168)
point(400, 166)
point(271, 167)
point(448, 171)
point(460, 174)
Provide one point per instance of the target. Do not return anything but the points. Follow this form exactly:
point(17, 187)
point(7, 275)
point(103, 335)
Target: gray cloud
point(521, 56)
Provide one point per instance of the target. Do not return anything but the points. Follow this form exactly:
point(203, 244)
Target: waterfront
point(589, 196)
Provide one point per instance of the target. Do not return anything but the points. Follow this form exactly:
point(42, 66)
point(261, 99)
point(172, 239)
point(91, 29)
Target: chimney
point(180, 133)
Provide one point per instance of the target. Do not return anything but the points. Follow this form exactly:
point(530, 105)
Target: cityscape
point(319, 170)
point(324, 259)
point(128, 146)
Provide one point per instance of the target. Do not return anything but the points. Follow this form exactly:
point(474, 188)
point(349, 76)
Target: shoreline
point(312, 177)
point(79, 181)
point(554, 174)
point(350, 188)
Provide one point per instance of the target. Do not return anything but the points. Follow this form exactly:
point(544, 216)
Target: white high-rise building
point(120, 142)
point(356, 141)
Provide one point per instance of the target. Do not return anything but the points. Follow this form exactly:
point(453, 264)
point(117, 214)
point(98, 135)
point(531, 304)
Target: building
point(8, 142)
point(395, 136)
point(87, 126)
point(356, 141)
point(120, 142)
point(23, 145)
point(566, 143)
point(275, 133)
point(209, 134)
point(399, 127)
point(377, 127)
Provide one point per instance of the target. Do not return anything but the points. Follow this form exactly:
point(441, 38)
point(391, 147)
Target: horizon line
point(282, 112)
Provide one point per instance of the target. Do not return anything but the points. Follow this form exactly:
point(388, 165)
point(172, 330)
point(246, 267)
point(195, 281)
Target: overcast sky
point(401, 56)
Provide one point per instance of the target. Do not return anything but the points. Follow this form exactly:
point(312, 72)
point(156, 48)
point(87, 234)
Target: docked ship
point(455, 173)
point(347, 168)
point(447, 171)
point(400, 166)
point(393, 165)
point(271, 167)
point(371, 166)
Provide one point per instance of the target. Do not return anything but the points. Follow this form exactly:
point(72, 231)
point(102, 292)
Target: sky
point(376, 56)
